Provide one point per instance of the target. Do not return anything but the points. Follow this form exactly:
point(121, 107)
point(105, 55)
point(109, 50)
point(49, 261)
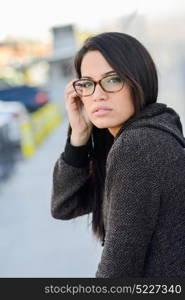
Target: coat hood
point(159, 116)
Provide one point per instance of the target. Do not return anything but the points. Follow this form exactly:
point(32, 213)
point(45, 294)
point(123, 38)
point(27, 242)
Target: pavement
point(33, 243)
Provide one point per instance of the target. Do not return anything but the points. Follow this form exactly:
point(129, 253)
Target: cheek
point(125, 100)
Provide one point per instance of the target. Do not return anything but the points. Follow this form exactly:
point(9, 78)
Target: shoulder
point(142, 145)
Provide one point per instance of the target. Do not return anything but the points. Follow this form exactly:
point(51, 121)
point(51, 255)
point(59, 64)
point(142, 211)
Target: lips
point(101, 111)
point(101, 108)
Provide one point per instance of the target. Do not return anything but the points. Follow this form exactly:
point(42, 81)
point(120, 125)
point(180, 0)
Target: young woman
point(124, 161)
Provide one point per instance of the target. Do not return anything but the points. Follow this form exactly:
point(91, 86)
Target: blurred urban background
point(38, 42)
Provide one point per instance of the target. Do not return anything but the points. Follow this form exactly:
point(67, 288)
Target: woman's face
point(117, 107)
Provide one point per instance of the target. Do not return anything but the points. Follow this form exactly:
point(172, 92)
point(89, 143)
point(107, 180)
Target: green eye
point(112, 83)
point(85, 84)
point(88, 84)
point(114, 79)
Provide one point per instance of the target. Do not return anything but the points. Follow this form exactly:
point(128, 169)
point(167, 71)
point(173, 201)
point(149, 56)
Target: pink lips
point(101, 111)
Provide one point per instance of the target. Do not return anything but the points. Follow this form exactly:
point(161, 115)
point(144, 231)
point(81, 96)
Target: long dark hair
point(133, 63)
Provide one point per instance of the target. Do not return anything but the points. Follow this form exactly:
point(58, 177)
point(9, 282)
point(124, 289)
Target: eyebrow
point(104, 74)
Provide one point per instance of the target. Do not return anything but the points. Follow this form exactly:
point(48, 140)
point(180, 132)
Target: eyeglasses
point(85, 87)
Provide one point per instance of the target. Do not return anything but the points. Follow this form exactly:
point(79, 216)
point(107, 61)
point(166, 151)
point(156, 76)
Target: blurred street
point(33, 244)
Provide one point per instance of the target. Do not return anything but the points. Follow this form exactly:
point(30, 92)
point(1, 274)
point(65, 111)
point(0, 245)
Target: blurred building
point(61, 61)
point(14, 53)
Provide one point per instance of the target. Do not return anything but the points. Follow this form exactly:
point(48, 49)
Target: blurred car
point(7, 150)
point(32, 97)
point(16, 114)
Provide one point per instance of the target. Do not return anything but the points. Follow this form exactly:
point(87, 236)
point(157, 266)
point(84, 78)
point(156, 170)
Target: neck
point(114, 130)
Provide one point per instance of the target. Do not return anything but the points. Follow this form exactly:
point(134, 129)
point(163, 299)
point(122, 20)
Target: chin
point(103, 124)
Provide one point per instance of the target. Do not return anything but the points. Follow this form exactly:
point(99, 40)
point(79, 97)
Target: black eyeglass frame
point(97, 82)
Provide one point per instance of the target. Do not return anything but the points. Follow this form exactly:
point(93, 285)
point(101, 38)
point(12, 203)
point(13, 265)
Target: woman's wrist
point(77, 156)
point(77, 141)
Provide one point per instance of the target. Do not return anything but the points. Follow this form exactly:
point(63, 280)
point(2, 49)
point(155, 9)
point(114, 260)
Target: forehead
point(94, 64)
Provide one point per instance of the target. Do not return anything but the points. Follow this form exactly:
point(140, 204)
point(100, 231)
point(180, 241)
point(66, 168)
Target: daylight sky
point(34, 18)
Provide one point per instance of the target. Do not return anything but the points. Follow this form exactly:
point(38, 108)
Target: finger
point(70, 92)
point(70, 84)
point(73, 99)
point(71, 96)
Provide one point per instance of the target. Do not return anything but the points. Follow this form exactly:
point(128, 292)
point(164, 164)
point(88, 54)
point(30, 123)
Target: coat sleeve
point(133, 199)
point(72, 191)
point(73, 183)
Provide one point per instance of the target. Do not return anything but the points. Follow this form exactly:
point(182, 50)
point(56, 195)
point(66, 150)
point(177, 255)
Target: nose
point(99, 93)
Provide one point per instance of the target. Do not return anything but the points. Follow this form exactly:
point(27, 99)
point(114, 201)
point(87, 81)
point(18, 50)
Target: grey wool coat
point(143, 199)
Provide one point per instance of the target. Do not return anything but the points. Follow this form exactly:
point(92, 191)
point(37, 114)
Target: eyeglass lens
point(86, 87)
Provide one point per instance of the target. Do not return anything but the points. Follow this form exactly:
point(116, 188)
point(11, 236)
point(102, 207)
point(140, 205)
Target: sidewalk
point(33, 244)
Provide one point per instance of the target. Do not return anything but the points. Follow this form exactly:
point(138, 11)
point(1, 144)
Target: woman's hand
point(78, 119)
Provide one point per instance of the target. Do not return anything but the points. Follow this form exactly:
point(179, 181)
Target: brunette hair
point(133, 63)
